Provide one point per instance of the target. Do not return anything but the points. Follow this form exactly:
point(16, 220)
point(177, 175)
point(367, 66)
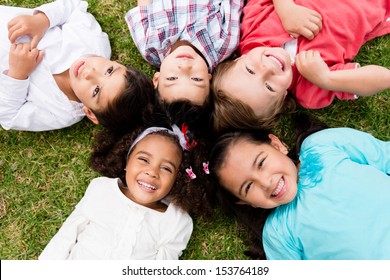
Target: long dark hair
point(253, 219)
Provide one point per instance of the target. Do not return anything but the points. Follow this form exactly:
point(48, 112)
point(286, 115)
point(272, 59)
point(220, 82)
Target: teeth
point(279, 188)
point(147, 185)
point(277, 61)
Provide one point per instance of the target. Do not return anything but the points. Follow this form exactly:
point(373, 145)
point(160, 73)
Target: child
point(251, 91)
point(63, 72)
point(331, 204)
point(185, 41)
point(138, 211)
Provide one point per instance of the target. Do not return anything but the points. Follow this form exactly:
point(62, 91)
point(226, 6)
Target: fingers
point(14, 32)
point(34, 42)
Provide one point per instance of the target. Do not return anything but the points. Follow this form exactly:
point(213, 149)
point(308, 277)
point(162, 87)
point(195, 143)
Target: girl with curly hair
point(139, 209)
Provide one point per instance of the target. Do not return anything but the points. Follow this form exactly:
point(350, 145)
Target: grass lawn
point(43, 175)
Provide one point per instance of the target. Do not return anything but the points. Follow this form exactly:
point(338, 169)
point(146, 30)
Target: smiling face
point(151, 169)
point(183, 75)
point(261, 175)
point(259, 78)
point(96, 81)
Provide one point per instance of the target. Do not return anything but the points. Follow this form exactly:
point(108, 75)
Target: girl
point(330, 204)
point(139, 210)
point(55, 69)
point(185, 41)
point(251, 91)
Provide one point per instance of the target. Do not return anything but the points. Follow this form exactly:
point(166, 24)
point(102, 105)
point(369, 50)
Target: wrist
point(43, 19)
point(16, 75)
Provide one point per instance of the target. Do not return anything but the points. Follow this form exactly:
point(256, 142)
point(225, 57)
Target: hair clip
point(206, 167)
point(190, 142)
point(190, 173)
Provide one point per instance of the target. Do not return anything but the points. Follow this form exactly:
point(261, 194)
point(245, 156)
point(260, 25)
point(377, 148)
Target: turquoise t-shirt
point(342, 209)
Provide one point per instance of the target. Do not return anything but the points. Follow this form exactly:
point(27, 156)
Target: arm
point(364, 81)
point(298, 20)
point(60, 246)
point(357, 146)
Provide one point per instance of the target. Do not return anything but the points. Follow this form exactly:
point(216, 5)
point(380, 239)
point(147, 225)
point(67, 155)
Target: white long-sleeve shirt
point(107, 225)
point(37, 103)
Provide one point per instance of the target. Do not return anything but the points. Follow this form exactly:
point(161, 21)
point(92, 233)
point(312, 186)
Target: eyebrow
point(253, 166)
point(164, 160)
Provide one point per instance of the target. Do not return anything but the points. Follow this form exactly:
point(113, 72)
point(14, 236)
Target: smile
point(147, 186)
point(277, 60)
point(278, 188)
point(77, 68)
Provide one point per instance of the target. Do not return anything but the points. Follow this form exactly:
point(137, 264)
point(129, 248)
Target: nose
point(264, 179)
point(267, 70)
point(151, 171)
point(89, 73)
point(185, 65)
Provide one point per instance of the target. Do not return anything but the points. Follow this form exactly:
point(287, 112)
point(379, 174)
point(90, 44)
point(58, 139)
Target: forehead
point(156, 142)
point(185, 90)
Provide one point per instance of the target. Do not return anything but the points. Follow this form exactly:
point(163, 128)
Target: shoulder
point(177, 215)
point(330, 136)
point(102, 185)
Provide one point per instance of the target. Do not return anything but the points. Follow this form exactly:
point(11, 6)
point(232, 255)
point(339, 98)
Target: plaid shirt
point(212, 26)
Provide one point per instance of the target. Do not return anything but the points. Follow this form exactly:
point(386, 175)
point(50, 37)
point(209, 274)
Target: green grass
point(43, 175)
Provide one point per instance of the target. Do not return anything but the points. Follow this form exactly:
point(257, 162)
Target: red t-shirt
point(346, 26)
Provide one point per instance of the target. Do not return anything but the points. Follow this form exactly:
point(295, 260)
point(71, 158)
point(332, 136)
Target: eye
point(171, 78)
point(143, 159)
point(269, 87)
point(247, 188)
point(96, 91)
point(109, 70)
point(261, 163)
point(166, 168)
point(250, 71)
point(197, 79)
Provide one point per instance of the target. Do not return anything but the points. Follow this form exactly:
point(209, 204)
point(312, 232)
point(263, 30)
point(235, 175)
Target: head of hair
point(109, 158)
point(197, 117)
point(129, 107)
point(253, 219)
point(231, 113)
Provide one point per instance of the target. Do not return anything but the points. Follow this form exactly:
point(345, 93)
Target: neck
point(62, 81)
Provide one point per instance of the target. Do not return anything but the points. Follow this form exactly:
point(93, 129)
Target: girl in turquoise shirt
point(332, 203)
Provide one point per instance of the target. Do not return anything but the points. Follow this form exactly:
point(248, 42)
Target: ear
point(90, 115)
point(277, 144)
point(210, 76)
point(155, 79)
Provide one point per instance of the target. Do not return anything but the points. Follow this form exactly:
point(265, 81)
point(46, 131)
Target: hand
point(143, 2)
point(298, 20)
point(35, 26)
point(313, 68)
point(23, 60)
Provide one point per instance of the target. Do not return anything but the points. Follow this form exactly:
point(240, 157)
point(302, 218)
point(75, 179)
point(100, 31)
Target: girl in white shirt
point(140, 210)
point(55, 68)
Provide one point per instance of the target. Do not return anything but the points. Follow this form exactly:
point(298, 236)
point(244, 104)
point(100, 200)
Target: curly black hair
point(109, 158)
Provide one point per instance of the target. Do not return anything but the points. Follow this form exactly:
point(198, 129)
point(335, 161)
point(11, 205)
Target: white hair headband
point(176, 131)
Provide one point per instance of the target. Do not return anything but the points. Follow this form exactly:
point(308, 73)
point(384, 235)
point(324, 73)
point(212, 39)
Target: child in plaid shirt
point(185, 40)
